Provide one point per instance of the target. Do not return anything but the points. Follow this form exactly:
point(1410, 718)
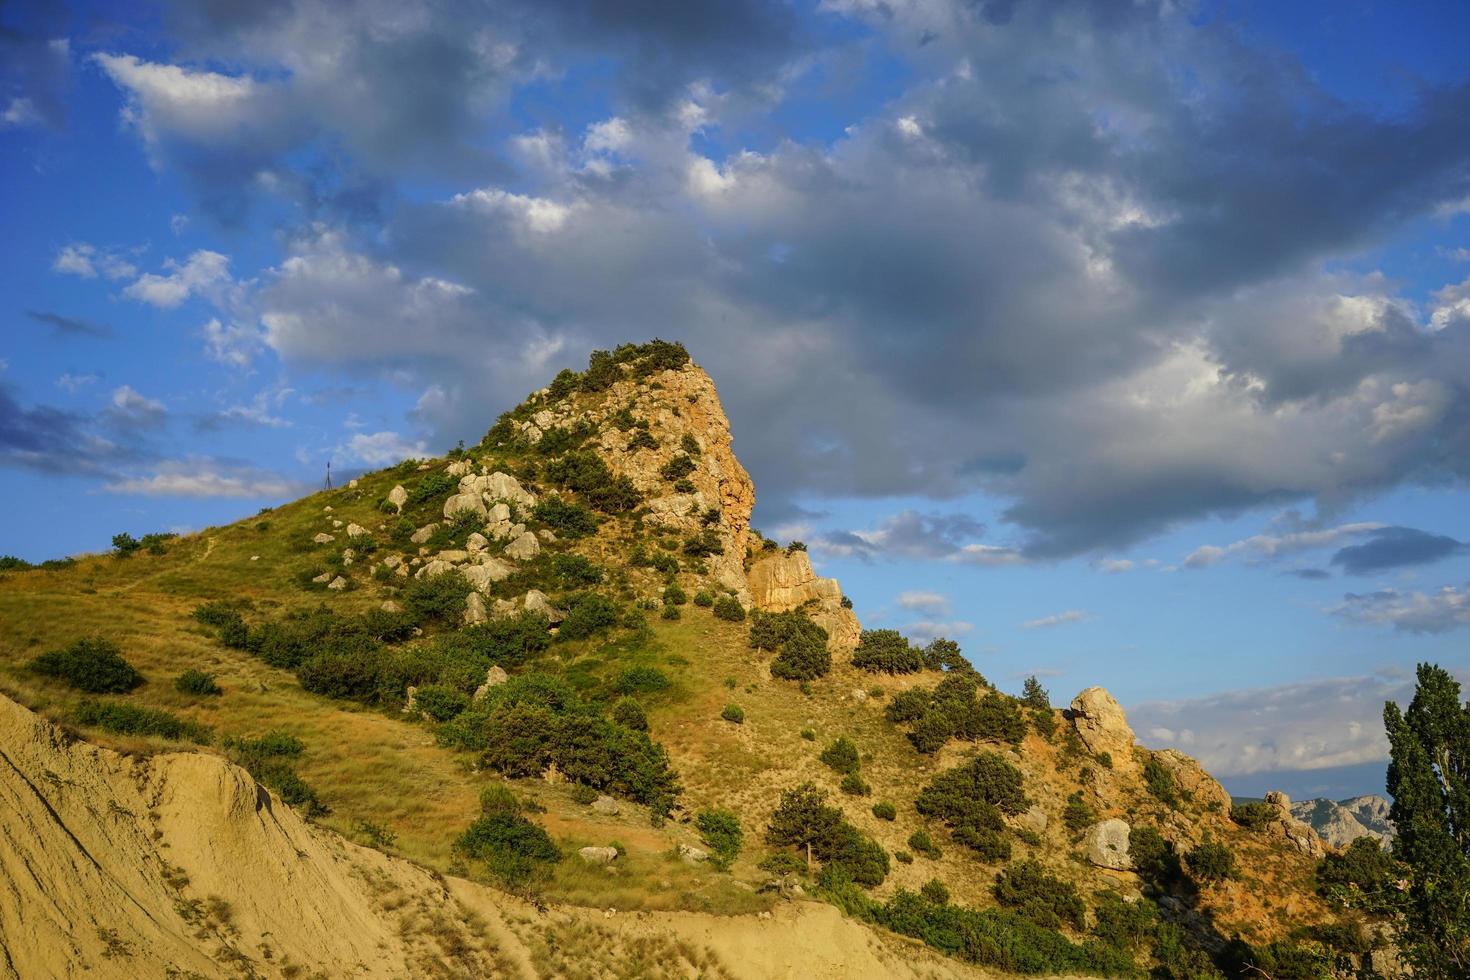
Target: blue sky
point(1129, 344)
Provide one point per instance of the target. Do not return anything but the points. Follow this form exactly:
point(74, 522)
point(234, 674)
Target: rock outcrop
point(1339, 823)
point(781, 581)
point(1107, 845)
point(1102, 725)
point(1300, 835)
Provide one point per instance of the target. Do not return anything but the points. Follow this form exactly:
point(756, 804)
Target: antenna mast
point(329, 475)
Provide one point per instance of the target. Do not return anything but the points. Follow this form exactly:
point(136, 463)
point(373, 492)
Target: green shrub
point(1045, 723)
point(804, 820)
point(720, 831)
point(217, 612)
point(704, 598)
point(1044, 899)
point(801, 644)
point(729, 608)
point(587, 614)
point(970, 800)
point(886, 651)
point(921, 843)
point(674, 596)
point(903, 857)
point(671, 612)
point(782, 863)
point(641, 680)
point(91, 664)
point(677, 468)
point(602, 372)
point(431, 486)
point(629, 714)
point(440, 703)
point(1211, 861)
point(130, 719)
point(1252, 816)
point(124, 544)
point(1122, 924)
point(1154, 858)
point(853, 785)
point(935, 891)
point(733, 713)
point(512, 847)
point(642, 439)
point(437, 598)
point(583, 794)
point(884, 811)
point(1362, 876)
point(808, 734)
point(1077, 815)
point(841, 756)
point(566, 518)
point(941, 654)
point(196, 682)
point(348, 672)
point(1160, 782)
point(1105, 759)
point(703, 544)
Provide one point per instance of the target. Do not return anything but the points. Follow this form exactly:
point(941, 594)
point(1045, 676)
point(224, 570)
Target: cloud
point(1266, 547)
point(383, 448)
point(1057, 619)
point(88, 261)
point(1309, 574)
point(914, 536)
point(1114, 566)
point(201, 273)
point(925, 630)
point(1313, 724)
point(73, 383)
point(70, 325)
point(924, 601)
point(203, 477)
point(49, 440)
point(35, 68)
point(1396, 547)
point(1408, 612)
point(130, 409)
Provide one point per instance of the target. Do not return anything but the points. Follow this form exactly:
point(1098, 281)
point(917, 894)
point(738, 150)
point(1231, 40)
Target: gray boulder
point(598, 855)
point(398, 497)
point(1107, 845)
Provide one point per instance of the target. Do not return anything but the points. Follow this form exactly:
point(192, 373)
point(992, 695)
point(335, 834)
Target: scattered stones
point(322, 537)
point(459, 467)
point(1107, 845)
point(598, 855)
point(398, 497)
point(336, 523)
point(356, 530)
point(524, 547)
point(433, 568)
point(858, 695)
point(337, 584)
point(423, 534)
point(487, 572)
point(536, 601)
point(607, 805)
point(327, 509)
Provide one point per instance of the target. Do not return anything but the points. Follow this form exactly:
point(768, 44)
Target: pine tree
point(1429, 779)
point(1033, 695)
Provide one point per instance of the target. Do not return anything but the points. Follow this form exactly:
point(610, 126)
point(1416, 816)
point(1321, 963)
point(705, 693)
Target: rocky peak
point(784, 580)
point(1102, 725)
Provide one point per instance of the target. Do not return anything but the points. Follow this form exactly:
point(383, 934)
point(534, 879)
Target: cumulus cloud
point(73, 383)
point(914, 536)
point(925, 630)
point(88, 261)
point(1313, 724)
point(1396, 547)
point(1057, 619)
point(130, 409)
point(1408, 612)
point(202, 273)
point(35, 68)
point(48, 440)
point(383, 448)
point(204, 477)
point(924, 601)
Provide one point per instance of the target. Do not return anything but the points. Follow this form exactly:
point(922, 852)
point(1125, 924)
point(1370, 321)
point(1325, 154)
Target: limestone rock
point(393, 561)
point(433, 569)
point(546, 534)
point(781, 581)
point(464, 503)
point(398, 497)
point(356, 530)
point(1034, 820)
point(1339, 823)
point(1107, 845)
point(390, 606)
point(410, 700)
point(524, 547)
point(500, 514)
point(536, 601)
point(474, 609)
point(598, 855)
point(1103, 726)
point(459, 467)
point(323, 578)
point(453, 556)
point(486, 573)
point(323, 537)
point(692, 855)
point(607, 805)
point(494, 677)
point(336, 523)
point(1296, 833)
point(476, 543)
point(337, 584)
point(423, 534)
point(497, 486)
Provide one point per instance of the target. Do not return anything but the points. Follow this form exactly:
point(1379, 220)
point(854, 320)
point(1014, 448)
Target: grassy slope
point(377, 766)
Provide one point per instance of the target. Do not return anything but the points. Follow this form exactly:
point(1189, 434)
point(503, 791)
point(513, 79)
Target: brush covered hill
point(555, 672)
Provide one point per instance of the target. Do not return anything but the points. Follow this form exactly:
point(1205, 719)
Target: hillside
point(452, 663)
point(1340, 822)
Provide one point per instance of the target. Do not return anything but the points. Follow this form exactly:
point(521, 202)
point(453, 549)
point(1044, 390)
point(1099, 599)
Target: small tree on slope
point(1429, 780)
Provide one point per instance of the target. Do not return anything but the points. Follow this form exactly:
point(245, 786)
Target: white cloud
point(1264, 547)
point(924, 601)
point(86, 260)
point(925, 629)
point(1114, 566)
point(134, 408)
point(382, 448)
point(73, 383)
point(20, 112)
point(234, 344)
point(203, 477)
point(539, 215)
point(167, 98)
point(1057, 619)
point(1409, 612)
point(200, 273)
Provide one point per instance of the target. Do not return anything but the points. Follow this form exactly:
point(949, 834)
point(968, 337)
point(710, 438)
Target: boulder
point(323, 537)
point(476, 543)
point(536, 601)
point(464, 503)
point(410, 700)
point(524, 547)
point(1107, 845)
point(393, 561)
point(336, 523)
point(1193, 780)
point(459, 467)
point(323, 578)
point(337, 584)
point(390, 606)
point(606, 804)
point(481, 576)
point(433, 568)
point(499, 514)
point(423, 534)
point(782, 581)
point(598, 855)
point(1034, 820)
point(1103, 726)
point(546, 534)
point(692, 855)
point(494, 677)
point(1295, 832)
point(453, 556)
point(356, 530)
point(474, 609)
point(398, 497)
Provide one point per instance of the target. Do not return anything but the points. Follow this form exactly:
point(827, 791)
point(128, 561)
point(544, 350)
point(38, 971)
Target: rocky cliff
point(1341, 822)
point(784, 580)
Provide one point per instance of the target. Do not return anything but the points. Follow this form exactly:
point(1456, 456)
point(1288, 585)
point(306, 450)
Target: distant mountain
point(1341, 822)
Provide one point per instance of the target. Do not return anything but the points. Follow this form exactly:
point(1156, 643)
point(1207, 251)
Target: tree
point(1429, 780)
point(1034, 695)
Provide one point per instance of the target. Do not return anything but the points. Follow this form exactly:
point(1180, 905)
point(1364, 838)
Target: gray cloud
point(49, 440)
point(69, 325)
point(1409, 612)
point(1396, 547)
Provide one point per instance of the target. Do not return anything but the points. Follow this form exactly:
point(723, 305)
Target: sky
point(1126, 343)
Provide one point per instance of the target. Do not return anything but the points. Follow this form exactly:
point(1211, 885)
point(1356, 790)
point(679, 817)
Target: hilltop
point(558, 671)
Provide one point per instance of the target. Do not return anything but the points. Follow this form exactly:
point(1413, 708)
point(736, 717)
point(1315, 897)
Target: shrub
point(853, 785)
point(677, 468)
point(841, 756)
point(671, 612)
point(1211, 861)
point(910, 705)
point(943, 654)
point(602, 372)
point(588, 613)
point(583, 794)
point(804, 820)
point(641, 680)
point(1252, 816)
point(130, 719)
point(733, 713)
point(438, 598)
point(1044, 899)
point(92, 664)
point(349, 671)
point(440, 703)
point(720, 830)
point(629, 714)
point(801, 645)
point(884, 811)
point(642, 439)
point(567, 519)
point(196, 682)
point(1077, 815)
point(886, 651)
point(903, 857)
point(704, 544)
point(921, 843)
point(432, 485)
point(704, 598)
point(994, 716)
point(1160, 782)
point(512, 847)
point(808, 734)
point(124, 544)
point(935, 891)
point(1122, 924)
point(1105, 759)
point(689, 444)
point(217, 612)
point(674, 596)
point(1033, 695)
point(1362, 876)
point(1154, 858)
point(987, 779)
point(729, 608)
